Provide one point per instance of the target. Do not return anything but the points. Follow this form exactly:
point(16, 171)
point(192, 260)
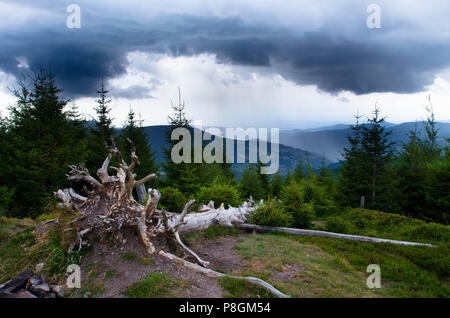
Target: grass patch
point(239, 288)
point(387, 225)
point(21, 250)
point(146, 260)
point(406, 271)
point(112, 273)
point(129, 256)
point(300, 269)
point(155, 285)
point(7, 225)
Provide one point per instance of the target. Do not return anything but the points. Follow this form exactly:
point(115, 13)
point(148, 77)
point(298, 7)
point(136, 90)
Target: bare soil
point(104, 258)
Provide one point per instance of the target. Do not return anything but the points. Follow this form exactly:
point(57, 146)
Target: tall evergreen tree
point(183, 175)
point(275, 185)
point(101, 131)
point(41, 141)
point(377, 154)
point(265, 181)
point(411, 176)
point(350, 185)
point(325, 176)
point(430, 143)
point(134, 131)
point(437, 189)
point(251, 184)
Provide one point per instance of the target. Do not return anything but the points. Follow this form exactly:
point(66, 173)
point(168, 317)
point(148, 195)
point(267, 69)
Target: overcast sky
point(272, 63)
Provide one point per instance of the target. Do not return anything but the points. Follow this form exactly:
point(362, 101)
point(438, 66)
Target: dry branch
point(265, 229)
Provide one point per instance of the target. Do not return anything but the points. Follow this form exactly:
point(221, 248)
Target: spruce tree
point(430, 143)
point(134, 131)
point(275, 185)
point(42, 139)
point(325, 176)
point(101, 131)
point(411, 176)
point(350, 185)
point(437, 189)
point(251, 184)
point(183, 176)
point(377, 154)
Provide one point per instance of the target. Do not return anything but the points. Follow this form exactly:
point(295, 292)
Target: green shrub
point(389, 226)
point(271, 214)
point(292, 198)
point(6, 199)
point(172, 199)
point(337, 225)
point(225, 193)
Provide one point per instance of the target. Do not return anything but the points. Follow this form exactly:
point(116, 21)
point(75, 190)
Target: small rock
point(124, 241)
point(36, 280)
point(39, 267)
point(87, 294)
point(40, 290)
point(59, 290)
point(25, 294)
point(50, 295)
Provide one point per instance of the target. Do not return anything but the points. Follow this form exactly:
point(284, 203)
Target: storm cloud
point(338, 54)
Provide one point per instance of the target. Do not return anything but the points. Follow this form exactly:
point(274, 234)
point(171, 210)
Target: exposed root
point(187, 249)
point(213, 274)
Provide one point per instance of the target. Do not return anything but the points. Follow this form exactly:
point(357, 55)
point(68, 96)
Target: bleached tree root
point(109, 206)
point(265, 229)
point(213, 274)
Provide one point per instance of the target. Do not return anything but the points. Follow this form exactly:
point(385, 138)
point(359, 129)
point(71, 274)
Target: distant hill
point(289, 156)
point(331, 142)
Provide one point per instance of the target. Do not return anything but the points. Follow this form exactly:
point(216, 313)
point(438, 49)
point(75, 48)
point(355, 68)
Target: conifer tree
point(350, 185)
point(183, 175)
point(134, 131)
point(42, 139)
point(411, 176)
point(251, 184)
point(437, 189)
point(377, 154)
point(101, 131)
point(275, 185)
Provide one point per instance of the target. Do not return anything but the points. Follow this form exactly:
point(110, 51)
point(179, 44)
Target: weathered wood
point(141, 193)
point(110, 205)
point(213, 274)
point(362, 202)
point(265, 229)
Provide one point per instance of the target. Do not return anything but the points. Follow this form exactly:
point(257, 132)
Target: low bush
point(271, 213)
point(388, 225)
point(225, 193)
point(172, 199)
point(293, 201)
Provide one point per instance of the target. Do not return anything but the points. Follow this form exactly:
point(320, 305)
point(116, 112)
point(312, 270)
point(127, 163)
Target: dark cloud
point(361, 64)
point(132, 92)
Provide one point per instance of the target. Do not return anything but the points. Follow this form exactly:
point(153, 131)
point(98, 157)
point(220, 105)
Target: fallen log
point(265, 229)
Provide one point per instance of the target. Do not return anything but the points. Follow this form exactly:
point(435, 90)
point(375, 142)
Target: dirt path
point(107, 271)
